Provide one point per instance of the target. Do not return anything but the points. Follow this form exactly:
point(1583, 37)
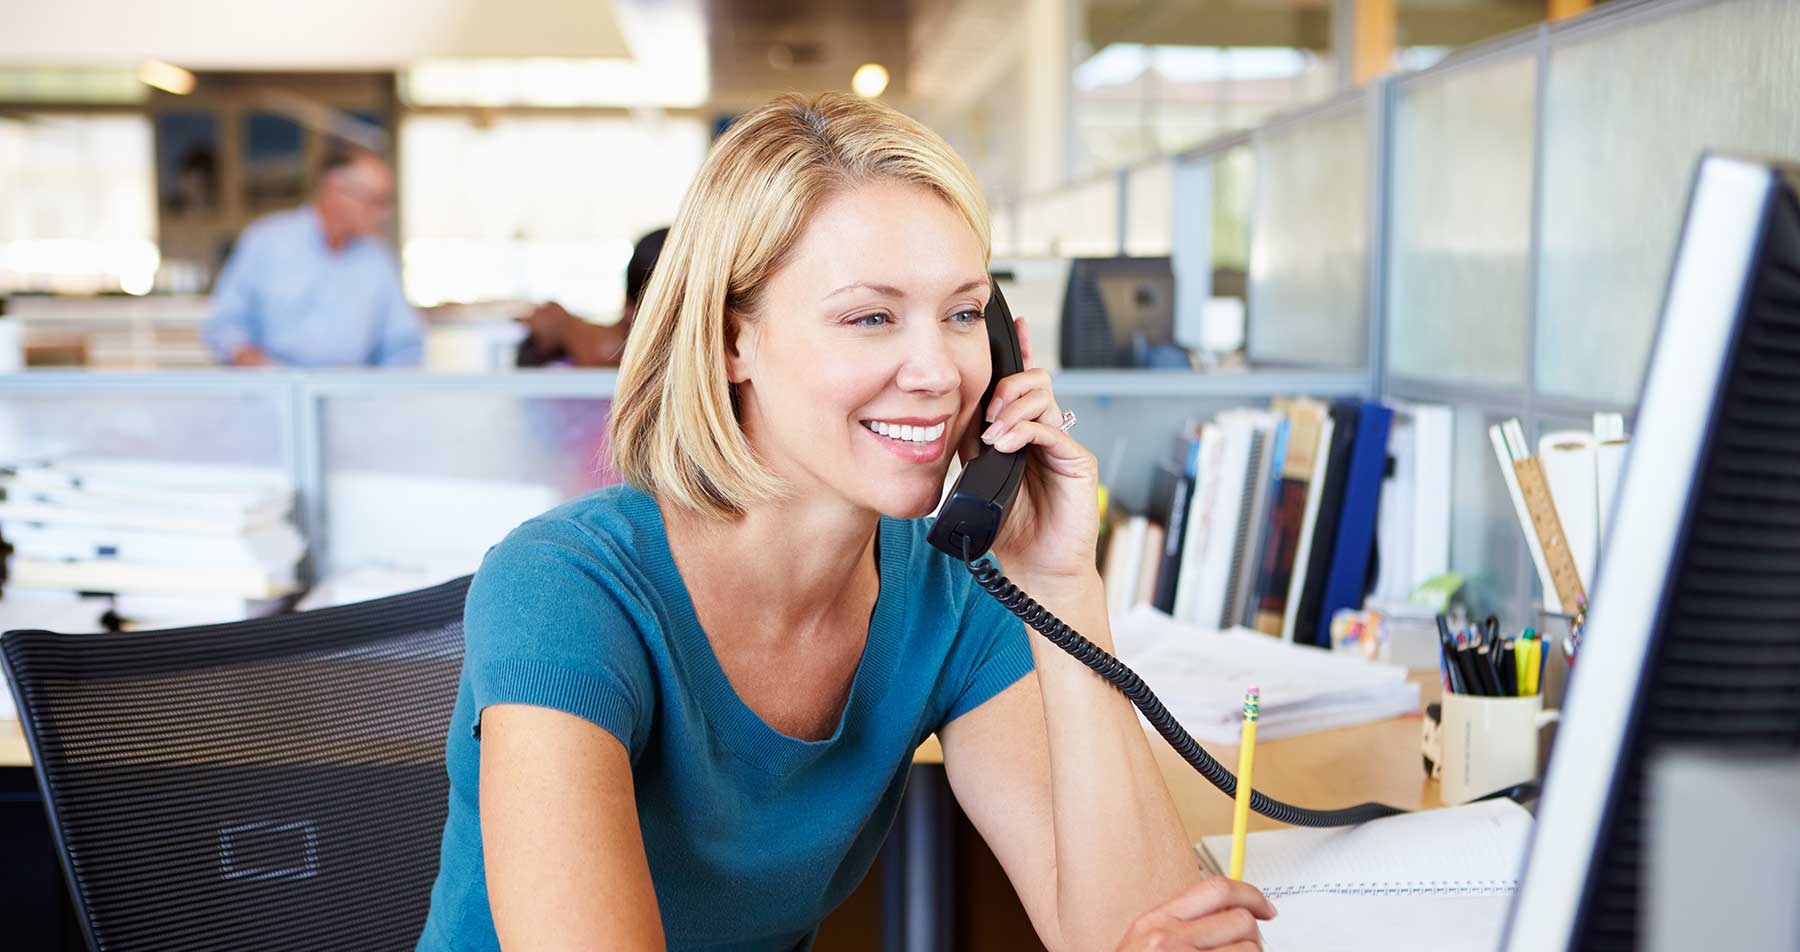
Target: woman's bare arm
point(559, 831)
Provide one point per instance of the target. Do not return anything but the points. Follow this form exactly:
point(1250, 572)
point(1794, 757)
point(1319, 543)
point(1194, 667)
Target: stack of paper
point(1200, 675)
point(174, 543)
point(1437, 880)
point(50, 611)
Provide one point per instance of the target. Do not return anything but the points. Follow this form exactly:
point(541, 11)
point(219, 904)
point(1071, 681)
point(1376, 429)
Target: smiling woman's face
point(866, 357)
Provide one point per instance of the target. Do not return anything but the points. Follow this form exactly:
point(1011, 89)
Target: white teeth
point(907, 432)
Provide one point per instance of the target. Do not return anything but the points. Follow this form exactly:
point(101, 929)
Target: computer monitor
point(1120, 312)
point(1693, 638)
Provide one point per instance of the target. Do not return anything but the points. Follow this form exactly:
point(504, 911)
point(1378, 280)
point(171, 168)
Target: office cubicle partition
point(1538, 184)
point(428, 469)
point(1496, 228)
point(407, 468)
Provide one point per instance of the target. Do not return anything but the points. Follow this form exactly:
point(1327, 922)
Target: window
point(537, 208)
point(77, 204)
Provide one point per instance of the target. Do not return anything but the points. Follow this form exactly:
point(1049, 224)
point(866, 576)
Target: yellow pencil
point(1240, 816)
point(1533, 664)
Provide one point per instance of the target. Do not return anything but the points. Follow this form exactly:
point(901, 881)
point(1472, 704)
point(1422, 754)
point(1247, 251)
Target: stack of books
point(171, 543)
point(1274, 519)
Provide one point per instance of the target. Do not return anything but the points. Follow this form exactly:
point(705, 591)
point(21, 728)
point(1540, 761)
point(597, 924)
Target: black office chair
point(271, 784)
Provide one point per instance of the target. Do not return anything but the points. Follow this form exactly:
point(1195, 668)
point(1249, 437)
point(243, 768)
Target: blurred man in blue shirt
point(314, 286)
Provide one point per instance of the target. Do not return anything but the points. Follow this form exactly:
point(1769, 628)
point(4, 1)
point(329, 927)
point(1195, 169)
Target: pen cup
point(1490, 743)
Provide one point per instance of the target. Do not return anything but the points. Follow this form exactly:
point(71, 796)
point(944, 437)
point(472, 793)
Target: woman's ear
point(740, 349)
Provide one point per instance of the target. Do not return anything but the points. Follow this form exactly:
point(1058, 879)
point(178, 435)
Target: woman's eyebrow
point(889, 290)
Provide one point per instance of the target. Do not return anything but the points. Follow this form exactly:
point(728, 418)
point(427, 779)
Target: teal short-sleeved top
point(752, 835)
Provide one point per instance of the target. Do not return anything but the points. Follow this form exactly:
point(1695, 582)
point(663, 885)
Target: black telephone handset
point(966, 524)
point(969, 518)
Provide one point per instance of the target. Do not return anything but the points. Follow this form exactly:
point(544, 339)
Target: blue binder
point(1349, 575)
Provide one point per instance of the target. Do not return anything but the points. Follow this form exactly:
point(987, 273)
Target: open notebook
point(1435, 880)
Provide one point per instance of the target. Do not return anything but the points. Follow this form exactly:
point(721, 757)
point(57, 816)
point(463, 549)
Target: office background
point(1491, 232)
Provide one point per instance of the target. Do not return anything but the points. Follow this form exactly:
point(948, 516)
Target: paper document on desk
point(1200, 676)
point(1341, 922)
point(1433, 880)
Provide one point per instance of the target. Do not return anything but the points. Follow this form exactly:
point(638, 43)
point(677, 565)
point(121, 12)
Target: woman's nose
point(929, 365)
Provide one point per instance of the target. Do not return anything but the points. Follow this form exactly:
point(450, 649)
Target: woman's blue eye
point(967, 317)
point(870, 320)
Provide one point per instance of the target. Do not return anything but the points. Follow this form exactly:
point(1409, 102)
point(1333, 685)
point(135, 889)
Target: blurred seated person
point(553, 334)
point(315, 286)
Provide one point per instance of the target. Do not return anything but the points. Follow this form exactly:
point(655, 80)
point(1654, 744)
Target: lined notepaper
point(1477, 849)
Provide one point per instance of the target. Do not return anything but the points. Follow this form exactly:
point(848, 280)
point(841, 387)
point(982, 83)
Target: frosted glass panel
point(432, 480)
point(1627, 115)
point(1234, 191)
point(1308, 241)
point(1487, 547)
point(1458, 288)
point(187, 428)
point(1149, 209)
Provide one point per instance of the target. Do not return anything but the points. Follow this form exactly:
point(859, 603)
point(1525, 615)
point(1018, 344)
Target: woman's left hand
point(1053, 525)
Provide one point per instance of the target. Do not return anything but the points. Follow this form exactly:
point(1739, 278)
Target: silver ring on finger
point(1068, 420)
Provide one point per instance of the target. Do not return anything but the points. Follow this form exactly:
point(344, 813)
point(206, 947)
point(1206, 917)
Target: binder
point(1306, 420)
point(1177, 488)
point(1325, 527)
point(1220, 560)
point(1124, 562)
point(1348, 575)
point(1412, 527)
point(1268, 484)
point(1148, 559)
point(1315, 492)
point(1257, 431)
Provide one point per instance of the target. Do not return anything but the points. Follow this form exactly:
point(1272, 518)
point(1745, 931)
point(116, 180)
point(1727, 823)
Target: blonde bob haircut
point(676, 432)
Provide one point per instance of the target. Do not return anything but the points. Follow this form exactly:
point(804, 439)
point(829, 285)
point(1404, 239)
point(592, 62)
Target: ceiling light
point(166, 77)
point(870, 80)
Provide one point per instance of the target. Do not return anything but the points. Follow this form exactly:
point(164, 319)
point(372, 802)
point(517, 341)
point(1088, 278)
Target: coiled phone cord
point(987, 575)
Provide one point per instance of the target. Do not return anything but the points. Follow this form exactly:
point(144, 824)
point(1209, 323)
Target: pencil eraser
point(1254, 691)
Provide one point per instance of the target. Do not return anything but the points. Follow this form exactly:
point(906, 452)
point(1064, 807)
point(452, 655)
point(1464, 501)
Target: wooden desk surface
point(13, 752)
point(1325, 770)
point(1343, 767)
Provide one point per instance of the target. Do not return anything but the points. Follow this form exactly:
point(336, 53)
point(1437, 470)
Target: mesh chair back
point(272, 784)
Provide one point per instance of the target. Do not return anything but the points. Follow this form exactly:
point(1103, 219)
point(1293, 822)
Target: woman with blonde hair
point(689, 703)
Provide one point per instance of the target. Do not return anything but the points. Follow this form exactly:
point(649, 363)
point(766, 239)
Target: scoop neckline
point(738, 726)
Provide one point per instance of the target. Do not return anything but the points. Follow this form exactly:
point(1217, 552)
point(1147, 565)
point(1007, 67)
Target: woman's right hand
point(1217, 913)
